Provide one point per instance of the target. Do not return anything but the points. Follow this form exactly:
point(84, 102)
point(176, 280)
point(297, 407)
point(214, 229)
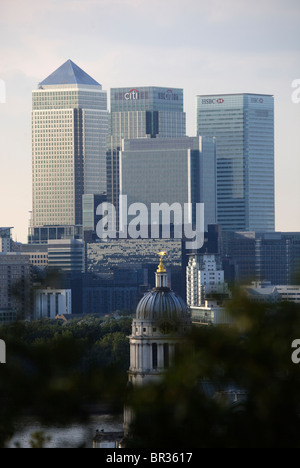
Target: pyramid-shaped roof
point(69, 73)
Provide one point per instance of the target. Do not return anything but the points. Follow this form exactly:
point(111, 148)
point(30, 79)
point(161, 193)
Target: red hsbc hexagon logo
point(213, 101)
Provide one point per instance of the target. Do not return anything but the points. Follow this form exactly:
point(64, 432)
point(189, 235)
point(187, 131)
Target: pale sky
point(204, 47)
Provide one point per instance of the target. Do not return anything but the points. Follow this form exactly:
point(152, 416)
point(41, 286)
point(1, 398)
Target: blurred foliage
point(232, 386)
point(38, 440)
point(56, 371)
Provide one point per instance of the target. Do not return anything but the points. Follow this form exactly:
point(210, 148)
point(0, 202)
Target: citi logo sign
point(132, 95)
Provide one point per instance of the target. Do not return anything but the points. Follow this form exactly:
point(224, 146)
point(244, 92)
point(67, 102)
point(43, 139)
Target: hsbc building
point(243, 125)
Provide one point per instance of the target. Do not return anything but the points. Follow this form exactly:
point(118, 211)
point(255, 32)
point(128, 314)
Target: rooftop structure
point(69, 73)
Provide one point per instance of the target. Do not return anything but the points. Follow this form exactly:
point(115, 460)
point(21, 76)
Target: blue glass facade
point(148, 111)
point(144, 112)
point(244, 127)
point(170, 170)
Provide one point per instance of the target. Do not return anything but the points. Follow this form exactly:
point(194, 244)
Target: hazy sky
point(211, 46)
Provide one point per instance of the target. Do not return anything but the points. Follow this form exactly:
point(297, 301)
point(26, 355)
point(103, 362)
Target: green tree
point(113, 349)
point(232, 387)
point(50, 373)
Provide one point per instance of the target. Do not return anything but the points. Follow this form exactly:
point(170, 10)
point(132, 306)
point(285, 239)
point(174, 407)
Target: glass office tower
point(244, 127)
point(69, 138)
point(147, 112)
point(170, 170)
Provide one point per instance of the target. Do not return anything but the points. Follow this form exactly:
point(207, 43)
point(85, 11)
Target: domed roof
point(162, 303)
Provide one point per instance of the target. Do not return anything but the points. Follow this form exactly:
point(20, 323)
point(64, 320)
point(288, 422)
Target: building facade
point(66, 255)
point(170, 170)
point(144, 112)
point(151, 112)
point(69, 136)
point(90, 204)
point(15, 287)
point(244, 127)
point(263, 256)
point(205, 277)
point(50, 303)
point(5, 240)
point(207, 290)
point(265, 292)
point(38, 254)
point(115, 254)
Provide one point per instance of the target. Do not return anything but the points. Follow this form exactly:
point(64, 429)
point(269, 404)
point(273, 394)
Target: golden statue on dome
point(161, 267)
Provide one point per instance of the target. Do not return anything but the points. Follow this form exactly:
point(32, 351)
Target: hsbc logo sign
point(257, 100)
point(213, 101)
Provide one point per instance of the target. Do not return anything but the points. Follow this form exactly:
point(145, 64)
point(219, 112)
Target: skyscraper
point(244, 127)
point(147, 112)
point(170, 170)
point(69, 137)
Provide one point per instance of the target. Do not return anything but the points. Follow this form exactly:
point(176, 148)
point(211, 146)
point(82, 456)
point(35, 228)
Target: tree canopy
point(55, 371)
point(232, 387)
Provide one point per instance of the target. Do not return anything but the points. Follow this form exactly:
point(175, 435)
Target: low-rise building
point(211, 313)
point(51, 303)
point(265, 292)
point(15, 287)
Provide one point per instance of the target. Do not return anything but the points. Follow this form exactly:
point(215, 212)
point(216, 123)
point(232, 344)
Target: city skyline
point(215, 48)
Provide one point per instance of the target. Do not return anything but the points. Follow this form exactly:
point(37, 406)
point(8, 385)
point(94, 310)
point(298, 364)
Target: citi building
point(149, 111)
point(141, 112)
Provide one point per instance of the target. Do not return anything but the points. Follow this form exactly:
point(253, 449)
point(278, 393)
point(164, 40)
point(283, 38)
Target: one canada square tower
point(69, 135)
